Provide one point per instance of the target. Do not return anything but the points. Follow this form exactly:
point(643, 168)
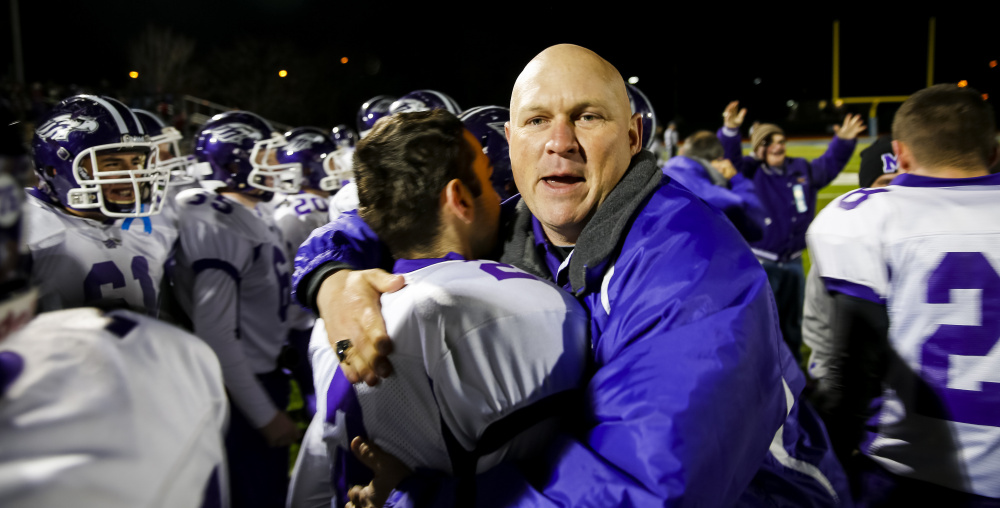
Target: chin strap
point(147, 225)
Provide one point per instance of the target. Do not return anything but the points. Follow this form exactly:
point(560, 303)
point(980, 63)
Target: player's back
point(930, 249)
point(219, 234)
point(78, 262)
point(297, 215)
point(109, 409)
point(473, 343)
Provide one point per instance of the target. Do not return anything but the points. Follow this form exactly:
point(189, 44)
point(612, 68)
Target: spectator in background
point(878, 169)
point(787, 187)
point(670, 139)
point(703, 168)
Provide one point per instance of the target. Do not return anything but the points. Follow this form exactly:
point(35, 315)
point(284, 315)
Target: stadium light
point(282, 73)
point(986, 96)
point(133, 75)
point(993, 63)
point(633, 80)
point(343, 60)
point(963, 84)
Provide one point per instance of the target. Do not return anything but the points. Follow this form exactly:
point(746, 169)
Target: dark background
point(688, 65)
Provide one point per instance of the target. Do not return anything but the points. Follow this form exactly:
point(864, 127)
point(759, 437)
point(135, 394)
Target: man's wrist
point(312, 282)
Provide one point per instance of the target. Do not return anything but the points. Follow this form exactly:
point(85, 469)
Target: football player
point(232, 278)
point(486, 124)
point(97, 172)
point(487, 354)
point(110, 409)
point(913, 269)
point(418, 100)
point(371, 110)
point(296, 216)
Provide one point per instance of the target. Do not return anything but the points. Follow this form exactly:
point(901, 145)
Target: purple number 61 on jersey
point(500, 271)
point(962, 270)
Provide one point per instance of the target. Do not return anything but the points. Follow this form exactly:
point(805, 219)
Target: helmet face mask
point(109, 180)
point(178, 166)
point(339, 167)
point(270, 175)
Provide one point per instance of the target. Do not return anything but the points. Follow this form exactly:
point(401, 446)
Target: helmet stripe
point(123, 129)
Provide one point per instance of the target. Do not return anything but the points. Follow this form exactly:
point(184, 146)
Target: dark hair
point(402, 166)
point(946, 125)
point(703, 144)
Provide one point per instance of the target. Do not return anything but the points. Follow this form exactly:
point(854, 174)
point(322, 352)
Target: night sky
point(689, 66)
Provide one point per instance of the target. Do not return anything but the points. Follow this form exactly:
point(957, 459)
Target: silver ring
point(342, 347)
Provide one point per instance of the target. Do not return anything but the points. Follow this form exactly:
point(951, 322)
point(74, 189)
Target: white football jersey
point(233, 280)
point(77, 262)
point(345, 200)
point(473, 342)
point(297, 215)
point(109, 409)
point(930, 250)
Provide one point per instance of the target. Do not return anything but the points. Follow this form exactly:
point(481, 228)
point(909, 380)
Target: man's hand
point(281, 431)
point(732, 116)
point(349, 304)
point(853, 125)
point(724, 166)
point(389, 471)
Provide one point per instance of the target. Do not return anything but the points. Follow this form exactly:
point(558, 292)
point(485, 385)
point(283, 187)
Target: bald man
point(693, 399)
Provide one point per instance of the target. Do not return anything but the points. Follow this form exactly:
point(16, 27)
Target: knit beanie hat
point(760, 135)
point(876, 160)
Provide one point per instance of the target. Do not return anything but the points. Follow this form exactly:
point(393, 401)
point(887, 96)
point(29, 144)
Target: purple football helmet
point(85, 127)
point(486, 124)
point(177, 165)
point(371, 111)
point(424, 100)
point(310, 146)
point(641, 104)
point(343, 136)
point(238, 147)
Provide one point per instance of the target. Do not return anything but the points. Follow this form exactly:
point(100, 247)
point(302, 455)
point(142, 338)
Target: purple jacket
point(738, 200)
point(694, 397)
point(787, 216)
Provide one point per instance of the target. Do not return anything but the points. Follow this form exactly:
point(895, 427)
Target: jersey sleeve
point(507, 365)
point(215, 259)
point(845, 245)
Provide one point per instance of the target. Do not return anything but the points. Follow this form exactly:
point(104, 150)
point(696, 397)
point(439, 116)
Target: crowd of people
point(498, 307)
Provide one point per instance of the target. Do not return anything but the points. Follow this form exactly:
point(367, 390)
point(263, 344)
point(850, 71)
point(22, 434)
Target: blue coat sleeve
point(827, 166)
point(347, 240)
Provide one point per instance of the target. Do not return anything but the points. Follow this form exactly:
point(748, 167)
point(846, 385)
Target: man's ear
point(506, 131)
point(457, 200)
point(904, 157)
point(635, 133)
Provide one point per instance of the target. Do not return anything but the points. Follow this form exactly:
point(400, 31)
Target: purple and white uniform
point(474, 342)
point(927, 250)
point(110, 409)
point(78, 262)
point(233, 281)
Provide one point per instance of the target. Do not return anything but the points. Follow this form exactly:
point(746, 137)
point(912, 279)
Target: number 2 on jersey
point(962, 270)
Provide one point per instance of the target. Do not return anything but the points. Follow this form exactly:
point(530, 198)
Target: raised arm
point(729, 133)
point(838, 152)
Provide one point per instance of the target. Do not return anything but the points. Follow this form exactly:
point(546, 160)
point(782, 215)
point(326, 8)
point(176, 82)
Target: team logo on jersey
point(889, 163)
point(303, 142)
point(408, 106)
point(235, 133)
point(60, 127)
